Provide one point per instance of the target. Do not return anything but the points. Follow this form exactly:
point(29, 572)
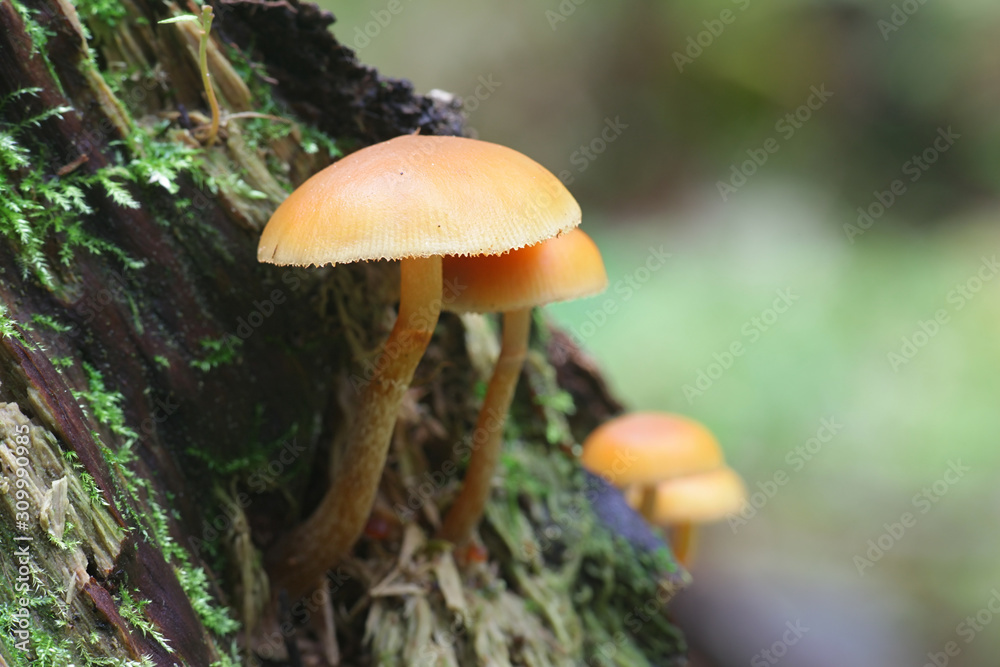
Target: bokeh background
point(650, 111)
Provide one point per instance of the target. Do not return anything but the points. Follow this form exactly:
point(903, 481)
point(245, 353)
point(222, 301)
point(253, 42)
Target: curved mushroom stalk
point(305, 554)
point(487, 439)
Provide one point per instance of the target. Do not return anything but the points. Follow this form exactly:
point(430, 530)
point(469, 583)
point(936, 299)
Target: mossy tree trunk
point(169, 407)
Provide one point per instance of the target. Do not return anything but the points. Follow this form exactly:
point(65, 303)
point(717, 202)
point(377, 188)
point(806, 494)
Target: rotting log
point(169, 407)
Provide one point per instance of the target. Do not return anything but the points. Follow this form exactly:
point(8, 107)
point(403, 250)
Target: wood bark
point(169, 407)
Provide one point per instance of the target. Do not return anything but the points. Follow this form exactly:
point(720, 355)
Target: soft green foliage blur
point(549, 87)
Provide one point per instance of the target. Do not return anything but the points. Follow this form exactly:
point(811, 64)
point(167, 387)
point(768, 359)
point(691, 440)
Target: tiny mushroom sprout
point(559, 269)
point(646, 452)
point(413, 198)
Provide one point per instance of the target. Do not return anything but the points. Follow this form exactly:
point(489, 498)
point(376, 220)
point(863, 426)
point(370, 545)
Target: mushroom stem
point(682, 541)
point(304, 555)
point(206, 76)
point(487, 439)
point(647, 502)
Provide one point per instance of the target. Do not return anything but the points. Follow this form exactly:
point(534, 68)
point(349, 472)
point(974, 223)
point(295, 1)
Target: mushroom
point(413, 198)
point(696, 499)
point(646, 452)
point(559, 269)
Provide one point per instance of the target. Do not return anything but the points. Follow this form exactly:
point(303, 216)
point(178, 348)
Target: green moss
point(234, 183)
point(50, 322)
point(555, 403)
point(133, 611)
point(220, 351)
point(105, 405)
point(195, 585)
point(106, 12)
point(160, 161)
point(596, 590)
point(255, 457)
point(260, 132)
point(36, 206)
point(91, 489)
point(44, 648)
point(39, 38)
point(68, 540)
point(230, 660)
point(192, 579)
point(10, 328)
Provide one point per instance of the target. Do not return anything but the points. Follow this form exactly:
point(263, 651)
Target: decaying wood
point(177, 404)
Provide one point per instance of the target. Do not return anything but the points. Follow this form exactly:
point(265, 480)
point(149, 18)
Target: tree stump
point(169, 407)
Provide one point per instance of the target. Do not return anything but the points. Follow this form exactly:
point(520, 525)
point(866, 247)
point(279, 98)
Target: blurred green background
point(646, 110)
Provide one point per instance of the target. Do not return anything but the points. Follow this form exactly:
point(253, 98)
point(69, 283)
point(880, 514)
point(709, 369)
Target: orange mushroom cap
point(565, 267)
point(419, 196)
point(648, 447)
point(700, 498)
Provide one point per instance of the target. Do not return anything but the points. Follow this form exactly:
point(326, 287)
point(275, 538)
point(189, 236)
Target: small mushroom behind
point(559, 269)
point(413, 198)
point(684, 501)
point(671, 466)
